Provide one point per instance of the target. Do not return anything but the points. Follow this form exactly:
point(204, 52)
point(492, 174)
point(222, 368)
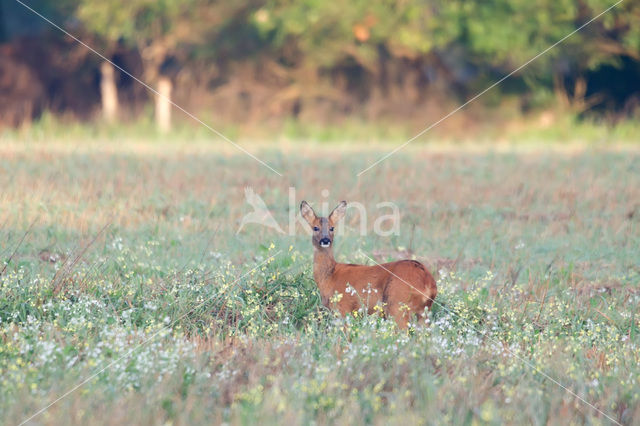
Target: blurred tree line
point(255, 59)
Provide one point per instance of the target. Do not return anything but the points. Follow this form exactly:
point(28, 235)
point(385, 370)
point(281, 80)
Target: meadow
point(124, 280)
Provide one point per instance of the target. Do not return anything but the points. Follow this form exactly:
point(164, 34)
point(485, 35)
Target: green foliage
point(488, 39)
point(135, 21)
point(503, 33)
point(329, 31)
point(498, 33)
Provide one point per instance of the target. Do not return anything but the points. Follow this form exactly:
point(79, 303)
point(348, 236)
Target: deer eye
point(315, 228)
point(331, 229)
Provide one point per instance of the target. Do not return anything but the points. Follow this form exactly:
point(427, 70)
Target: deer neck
point(323, 265)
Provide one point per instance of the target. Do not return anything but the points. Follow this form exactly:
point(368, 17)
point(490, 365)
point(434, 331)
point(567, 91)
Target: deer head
point(323, 227)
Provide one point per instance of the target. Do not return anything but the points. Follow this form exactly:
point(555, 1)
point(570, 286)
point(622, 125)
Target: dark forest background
point(313, 61)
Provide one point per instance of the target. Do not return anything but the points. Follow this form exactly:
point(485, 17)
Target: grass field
point(124, 268)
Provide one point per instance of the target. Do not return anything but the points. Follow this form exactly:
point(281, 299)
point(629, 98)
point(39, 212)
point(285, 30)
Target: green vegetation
point(130, 260)
point(317, 62)
point(494, 34)
point(522, 132)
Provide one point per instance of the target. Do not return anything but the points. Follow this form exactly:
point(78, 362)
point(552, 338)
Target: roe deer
point(402, 288)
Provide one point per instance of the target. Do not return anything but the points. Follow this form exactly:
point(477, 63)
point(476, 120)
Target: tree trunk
point(560, 91)
point(163, 104)
point(108, 92)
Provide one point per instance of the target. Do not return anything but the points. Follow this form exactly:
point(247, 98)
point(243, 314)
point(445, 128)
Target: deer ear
point(338, 212)
point(307, 212)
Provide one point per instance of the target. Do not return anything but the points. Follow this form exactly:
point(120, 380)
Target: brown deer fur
point(402, 289)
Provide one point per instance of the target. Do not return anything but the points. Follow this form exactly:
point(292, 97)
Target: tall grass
point(536, 256)
point(485, 127)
